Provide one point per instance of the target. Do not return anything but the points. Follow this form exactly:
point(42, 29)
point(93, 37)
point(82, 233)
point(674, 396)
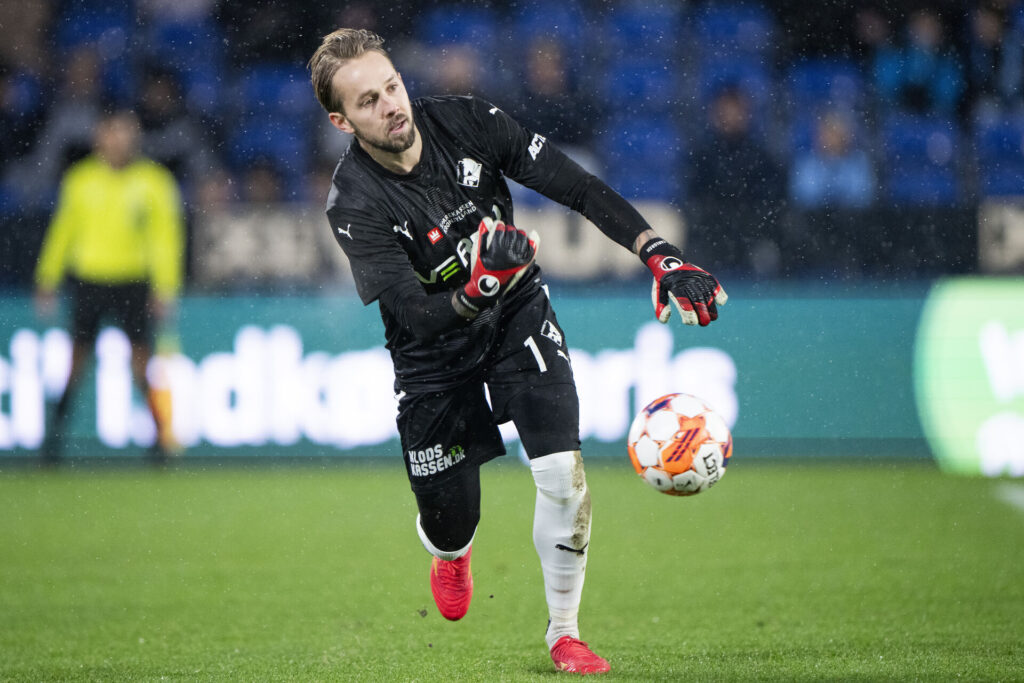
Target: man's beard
point(390, 144)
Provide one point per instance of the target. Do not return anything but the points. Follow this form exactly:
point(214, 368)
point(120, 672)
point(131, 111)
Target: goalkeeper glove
point(695, 293)
point(501, 254)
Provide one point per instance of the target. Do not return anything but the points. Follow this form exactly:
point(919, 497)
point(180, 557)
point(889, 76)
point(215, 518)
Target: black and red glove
point(501, 254)
point(695, 292)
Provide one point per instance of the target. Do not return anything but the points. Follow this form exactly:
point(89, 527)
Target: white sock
point(448, 555)
point(561, 534)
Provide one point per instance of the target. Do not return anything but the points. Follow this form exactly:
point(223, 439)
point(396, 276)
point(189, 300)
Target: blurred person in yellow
point(117, 236)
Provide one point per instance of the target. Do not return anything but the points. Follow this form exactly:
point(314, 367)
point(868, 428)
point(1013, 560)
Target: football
point(679, 445)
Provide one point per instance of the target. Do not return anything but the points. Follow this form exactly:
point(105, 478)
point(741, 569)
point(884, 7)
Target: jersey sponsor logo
point(535, 145)
point(347, 231)
point(551, 332)
point(435, 235)
point(456, 215)
point(432, 460)
point(448, 268)
point(563, 354)
point(468, 171)
point(493, 110)
point(404, 229)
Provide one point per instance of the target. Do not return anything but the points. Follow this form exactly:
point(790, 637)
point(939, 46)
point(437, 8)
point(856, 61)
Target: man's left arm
point(528, 158)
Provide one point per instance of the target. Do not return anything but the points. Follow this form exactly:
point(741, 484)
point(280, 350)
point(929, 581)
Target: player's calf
point(561, 535)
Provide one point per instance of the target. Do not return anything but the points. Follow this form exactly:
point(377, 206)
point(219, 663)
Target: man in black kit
point(420, 206)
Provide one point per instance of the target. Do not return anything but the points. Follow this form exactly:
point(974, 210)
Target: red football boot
point(572, 655)
point(452, 585)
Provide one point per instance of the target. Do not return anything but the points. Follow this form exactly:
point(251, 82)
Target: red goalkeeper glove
point(501, 254)
point(695, 292)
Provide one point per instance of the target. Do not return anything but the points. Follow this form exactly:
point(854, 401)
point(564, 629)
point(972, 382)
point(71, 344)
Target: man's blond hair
point(337, 48)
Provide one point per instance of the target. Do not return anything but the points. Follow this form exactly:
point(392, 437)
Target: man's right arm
point(426, 316)
point(501, 254)
point(53, 256)
point(382, 271)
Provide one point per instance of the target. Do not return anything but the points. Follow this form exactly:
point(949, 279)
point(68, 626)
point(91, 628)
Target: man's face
point(117, 139)
point(377, 108)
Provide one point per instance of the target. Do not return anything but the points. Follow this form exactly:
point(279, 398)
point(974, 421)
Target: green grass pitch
point(847, 572)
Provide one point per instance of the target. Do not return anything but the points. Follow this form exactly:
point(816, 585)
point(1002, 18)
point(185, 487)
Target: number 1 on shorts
point(531, 344)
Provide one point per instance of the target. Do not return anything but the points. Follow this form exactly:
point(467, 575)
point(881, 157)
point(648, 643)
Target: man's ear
point(341, 123)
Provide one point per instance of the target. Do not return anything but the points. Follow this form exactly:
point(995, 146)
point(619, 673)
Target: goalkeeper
point(420, 206)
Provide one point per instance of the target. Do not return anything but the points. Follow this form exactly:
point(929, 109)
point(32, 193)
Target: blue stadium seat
point(643, 157)
point(643, 29)
point(749, 75)
point(835, 82)
point(92, 22)
point(459, 24)
point(203, 87)
point(724, 30)
point(108, 26)
point(280, 88)
point(282, 143)
point(920, 160)
point(275, 115)
point(642, 86)
point(999, 144)
point(187, 45)
point(565, 22)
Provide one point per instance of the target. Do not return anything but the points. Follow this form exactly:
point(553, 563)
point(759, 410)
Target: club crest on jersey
point(469, 172)
point(435, 235)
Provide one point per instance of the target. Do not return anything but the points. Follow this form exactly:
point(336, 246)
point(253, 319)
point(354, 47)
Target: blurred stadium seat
point(752, 77)
point(724, 30)
point(194, 51)
point(643, 30)
point(565, 22)
point(999, 143)
point(833, 81)
point(109, 27)
point(277, 89)
point(642, 86)
point(94, 22)
point(643, 157)
point(920, 160)
point(274, 111)
point(477, 26)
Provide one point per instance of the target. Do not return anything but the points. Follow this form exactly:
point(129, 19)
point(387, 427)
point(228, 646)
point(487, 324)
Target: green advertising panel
point(969, 375)
point(794, 371)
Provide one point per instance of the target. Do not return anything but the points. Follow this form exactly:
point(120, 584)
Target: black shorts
point(529, 378)
point(123, 305)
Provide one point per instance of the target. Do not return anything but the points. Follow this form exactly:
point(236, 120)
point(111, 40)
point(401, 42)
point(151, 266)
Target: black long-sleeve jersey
point(412, 233)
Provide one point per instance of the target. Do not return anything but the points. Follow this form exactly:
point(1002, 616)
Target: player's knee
point(560, 476)
point(448, 542)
